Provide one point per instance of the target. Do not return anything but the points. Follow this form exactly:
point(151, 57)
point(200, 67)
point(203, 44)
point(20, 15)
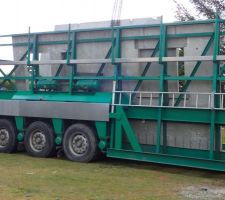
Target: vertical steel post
point(68, 56)
point(117, 84)
point(118, 134)
point(194, 71)
point(215, 88)
point(68, 53)
point(28, 47)
point(118, 55)
point(163, 87)
point(28, 62)
point(35, 68)
point(113, 49)
point(73, 66)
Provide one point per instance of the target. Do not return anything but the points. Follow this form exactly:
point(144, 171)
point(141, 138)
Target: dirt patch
point(203, 192)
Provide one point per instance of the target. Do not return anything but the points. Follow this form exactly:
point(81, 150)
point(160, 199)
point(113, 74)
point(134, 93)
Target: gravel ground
point(204, 192)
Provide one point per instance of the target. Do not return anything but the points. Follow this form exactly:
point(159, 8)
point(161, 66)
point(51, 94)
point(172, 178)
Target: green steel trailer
point(114, 104)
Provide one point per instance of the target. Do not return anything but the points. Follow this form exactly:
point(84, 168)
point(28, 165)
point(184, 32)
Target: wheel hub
point(79, 145)
point(4, 137)
point(37, 141)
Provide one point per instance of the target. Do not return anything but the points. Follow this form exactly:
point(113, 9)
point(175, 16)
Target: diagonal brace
point(146, 69)
point(196, 67)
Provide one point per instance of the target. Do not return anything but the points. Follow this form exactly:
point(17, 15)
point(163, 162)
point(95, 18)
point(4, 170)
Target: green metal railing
point(163, 112)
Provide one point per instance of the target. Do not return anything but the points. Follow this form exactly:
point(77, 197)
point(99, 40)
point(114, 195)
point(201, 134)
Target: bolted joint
point(58, 140)
point(102, 144)
point(20, 137)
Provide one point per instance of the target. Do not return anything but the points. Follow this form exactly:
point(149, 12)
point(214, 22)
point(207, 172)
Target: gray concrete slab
point(194, 136)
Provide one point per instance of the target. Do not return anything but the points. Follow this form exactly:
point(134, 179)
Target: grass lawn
point(24, 177)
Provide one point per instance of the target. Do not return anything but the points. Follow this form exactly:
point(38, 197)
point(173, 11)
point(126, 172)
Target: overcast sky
point(17, 15)
point(41, 15)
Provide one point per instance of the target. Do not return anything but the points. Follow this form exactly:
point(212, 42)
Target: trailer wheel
point(39, 139)
point(8, 141)
point(80, 143)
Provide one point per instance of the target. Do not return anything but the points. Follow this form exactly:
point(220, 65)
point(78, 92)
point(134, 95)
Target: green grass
point(23, 177)
point(223, 135)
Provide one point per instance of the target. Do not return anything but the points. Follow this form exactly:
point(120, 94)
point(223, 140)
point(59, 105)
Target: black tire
point(80, 143)
point(8, 142)
point(39, 139)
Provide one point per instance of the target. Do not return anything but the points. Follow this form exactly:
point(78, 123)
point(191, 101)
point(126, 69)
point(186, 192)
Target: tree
point(7, 85)
point(204, 9)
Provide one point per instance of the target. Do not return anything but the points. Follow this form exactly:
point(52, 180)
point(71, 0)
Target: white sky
point(41, 15)
point(17, 15)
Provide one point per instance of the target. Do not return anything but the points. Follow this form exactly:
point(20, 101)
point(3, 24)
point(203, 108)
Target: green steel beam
point(28, 61)
point(20, 128)
point(58, 129)
point(176, 114)
point(2, 72)
point(112, 132)
point(124, 38)
point(214, 130)
point(35, 53)
point(179, 151)
point(124, 78)
point(74, 49)
point(4, 75)
point(28, 47)
point(148, 65)
point(101, 68)
point(60, 67)
point(9, 76)
point(118, 133)
point(113, 47)
point(35, 68)
point(101, 128)
point(195, 69)
point(73, 66)
point(122, 125)
point(119, 27)
point(161, 126)
point(118, 55)
point(168, 159)
point(118, 71)
point(68, 52)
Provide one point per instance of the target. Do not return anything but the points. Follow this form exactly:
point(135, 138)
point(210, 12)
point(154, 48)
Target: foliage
point(8, 85)
point(204, 9)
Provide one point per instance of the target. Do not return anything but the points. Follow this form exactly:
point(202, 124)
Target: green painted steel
point(162, 87)
point(88, 85)
point(58, 129)
point(123, 126)
point(168, 159)
point(20, 127)
point(125, 38)
point(98, 97)
point(195, 69)
point(117, 138)
point(119, 27)
point(101, 128)
point(148, 65)
point(215, 129)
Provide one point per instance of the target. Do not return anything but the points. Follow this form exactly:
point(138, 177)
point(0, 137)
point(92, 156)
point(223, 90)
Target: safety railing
point(198, 100)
